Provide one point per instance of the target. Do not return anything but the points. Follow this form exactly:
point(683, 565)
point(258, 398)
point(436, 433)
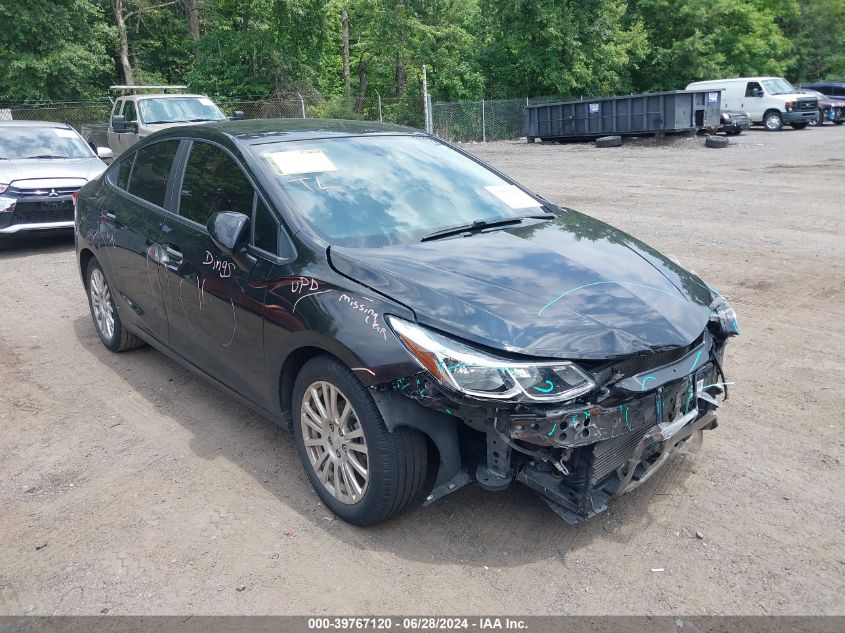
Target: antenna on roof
point(135, 89)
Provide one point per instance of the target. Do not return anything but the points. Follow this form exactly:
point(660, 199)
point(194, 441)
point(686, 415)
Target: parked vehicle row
point(774, 102)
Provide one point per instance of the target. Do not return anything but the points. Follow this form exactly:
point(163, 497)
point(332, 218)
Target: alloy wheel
point(101, 303)
point(334, 442)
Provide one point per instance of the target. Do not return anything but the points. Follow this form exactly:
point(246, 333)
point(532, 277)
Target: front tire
point(773, 121)
point(104, 312)
point(364, 473)
point(798, 126)
point(819, 120)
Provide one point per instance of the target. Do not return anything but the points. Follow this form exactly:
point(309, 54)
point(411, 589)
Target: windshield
point(778, 87)
point(41, 142)
point(179, 110)
point(378, 190)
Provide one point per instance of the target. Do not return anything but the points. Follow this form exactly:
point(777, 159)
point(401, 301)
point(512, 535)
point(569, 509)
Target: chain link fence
point(485, 120)
point(407, 111)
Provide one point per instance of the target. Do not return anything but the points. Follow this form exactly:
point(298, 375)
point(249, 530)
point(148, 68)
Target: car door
point(215, 298)
point(753, 104)
point(132, 215)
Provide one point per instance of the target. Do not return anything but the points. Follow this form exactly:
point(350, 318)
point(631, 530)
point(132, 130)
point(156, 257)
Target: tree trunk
point(192, 13)
point(123, 42)
point(344, 20)
point(400, 75)
point(362, 83)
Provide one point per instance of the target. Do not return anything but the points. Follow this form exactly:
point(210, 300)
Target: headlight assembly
point(467, 370)
point(723, 319)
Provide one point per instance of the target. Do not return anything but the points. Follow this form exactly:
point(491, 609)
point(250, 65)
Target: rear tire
point(716, 141)
point(772, 121)
point(609, 141)
point(363, 472)
point(104, 312)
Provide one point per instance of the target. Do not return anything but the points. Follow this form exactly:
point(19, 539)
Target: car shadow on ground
point(469, 527)
point(25, 245)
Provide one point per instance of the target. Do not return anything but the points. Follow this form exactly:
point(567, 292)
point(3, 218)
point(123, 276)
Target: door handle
point(110, 215)
point(173, 253)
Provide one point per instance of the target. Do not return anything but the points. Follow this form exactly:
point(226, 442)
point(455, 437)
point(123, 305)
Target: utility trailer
point(626, 115)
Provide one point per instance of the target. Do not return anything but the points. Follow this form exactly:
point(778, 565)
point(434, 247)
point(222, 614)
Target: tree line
point(64, 50)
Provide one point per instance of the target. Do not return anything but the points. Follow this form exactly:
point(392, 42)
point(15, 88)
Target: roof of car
point(33, 124)
point(258, 131)
point(162, 95)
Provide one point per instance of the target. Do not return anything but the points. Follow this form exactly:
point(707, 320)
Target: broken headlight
point(476, 373)
point(723, 322)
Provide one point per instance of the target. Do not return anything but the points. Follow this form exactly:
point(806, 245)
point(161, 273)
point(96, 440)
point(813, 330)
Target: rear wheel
point(364, 473)
point(772, 121)
point(104, 313)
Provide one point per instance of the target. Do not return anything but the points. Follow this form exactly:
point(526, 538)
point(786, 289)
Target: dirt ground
point(128, 486)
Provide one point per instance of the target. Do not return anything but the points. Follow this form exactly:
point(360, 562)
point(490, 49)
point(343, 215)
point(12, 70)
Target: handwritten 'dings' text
point(222, 267)
point(370, 316)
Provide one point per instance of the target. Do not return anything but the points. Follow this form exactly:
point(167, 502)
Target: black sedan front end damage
point(579, 453)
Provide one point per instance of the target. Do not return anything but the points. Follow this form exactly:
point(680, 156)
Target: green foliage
point(819, 37)
point(69, 49)
point(536, 47)
point(53, 49)
point(709, 40)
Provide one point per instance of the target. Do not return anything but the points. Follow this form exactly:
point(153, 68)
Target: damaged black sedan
point(417, 319)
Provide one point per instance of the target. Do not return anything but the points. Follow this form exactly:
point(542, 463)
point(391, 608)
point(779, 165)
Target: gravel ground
point(127, 485)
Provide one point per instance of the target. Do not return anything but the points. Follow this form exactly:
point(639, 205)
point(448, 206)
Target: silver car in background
point(42, 166)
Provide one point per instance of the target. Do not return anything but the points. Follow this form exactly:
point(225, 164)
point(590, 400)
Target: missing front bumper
point(615, 467)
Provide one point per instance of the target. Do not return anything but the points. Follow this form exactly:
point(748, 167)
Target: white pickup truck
point(135, 116)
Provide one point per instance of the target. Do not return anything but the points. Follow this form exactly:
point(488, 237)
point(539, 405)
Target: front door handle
point(173, 256)
point(110, 215)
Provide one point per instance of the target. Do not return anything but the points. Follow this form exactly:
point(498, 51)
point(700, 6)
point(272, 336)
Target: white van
point(770, 101)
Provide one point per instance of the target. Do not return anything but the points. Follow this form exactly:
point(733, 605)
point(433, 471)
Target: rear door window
point(151, 171)
point(213, 182)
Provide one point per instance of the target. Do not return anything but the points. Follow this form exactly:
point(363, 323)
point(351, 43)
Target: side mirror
point(758, 92)
point(238, 115)
point(118, 123)
point(105, 153)
point(229, 230)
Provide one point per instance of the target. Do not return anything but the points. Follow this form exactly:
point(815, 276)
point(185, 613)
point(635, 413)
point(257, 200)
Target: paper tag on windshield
point(65, 133)
point(302, 161)
point(513, 196)
point(206, 101)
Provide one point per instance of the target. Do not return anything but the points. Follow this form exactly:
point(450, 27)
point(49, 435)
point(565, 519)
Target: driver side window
point(213, 182)
point(753, 89)
point(129, 114)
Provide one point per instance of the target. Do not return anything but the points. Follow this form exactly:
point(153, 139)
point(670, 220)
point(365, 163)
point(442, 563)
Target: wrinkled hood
point(573, 287)
point(17, 172)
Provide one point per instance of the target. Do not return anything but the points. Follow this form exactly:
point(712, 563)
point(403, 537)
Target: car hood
point(18, 172)
point(573, 287)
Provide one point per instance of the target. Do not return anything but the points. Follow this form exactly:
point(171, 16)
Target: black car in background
point(733, 122)
point(418, 319)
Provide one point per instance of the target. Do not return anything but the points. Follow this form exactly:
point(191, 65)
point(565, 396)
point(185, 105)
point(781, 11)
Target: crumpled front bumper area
point(607, 450)
point(614, 468)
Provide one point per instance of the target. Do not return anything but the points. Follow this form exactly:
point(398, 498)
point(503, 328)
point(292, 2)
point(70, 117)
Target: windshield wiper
point(47, 156)
point(479, 225)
